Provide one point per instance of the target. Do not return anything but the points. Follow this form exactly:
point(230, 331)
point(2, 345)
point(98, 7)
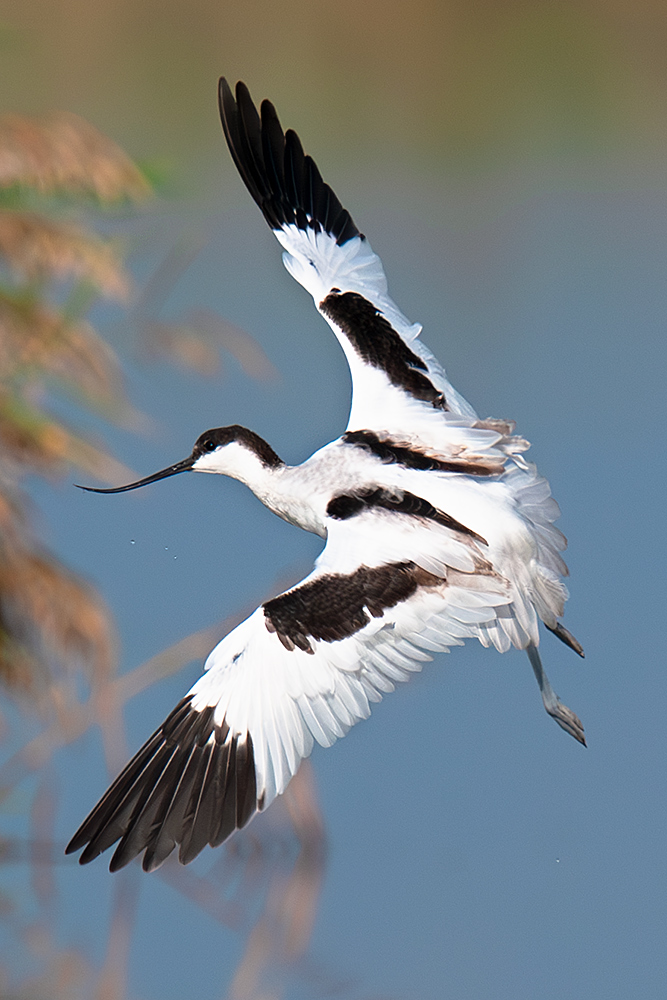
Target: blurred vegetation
point(53, 266)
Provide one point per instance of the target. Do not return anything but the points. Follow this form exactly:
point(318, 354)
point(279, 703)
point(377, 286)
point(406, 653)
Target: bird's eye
point(209, 445)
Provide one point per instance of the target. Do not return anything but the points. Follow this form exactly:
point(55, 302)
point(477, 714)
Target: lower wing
point(304, 667)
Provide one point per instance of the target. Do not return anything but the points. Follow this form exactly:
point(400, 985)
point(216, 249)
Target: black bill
point(173, 470)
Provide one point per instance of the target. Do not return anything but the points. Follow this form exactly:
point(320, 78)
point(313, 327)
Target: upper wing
point(390, 587)
point(397, 384)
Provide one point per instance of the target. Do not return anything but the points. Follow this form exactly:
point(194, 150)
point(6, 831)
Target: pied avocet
point(437, 530)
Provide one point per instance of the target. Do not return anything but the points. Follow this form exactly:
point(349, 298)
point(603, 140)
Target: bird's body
point(437, 530)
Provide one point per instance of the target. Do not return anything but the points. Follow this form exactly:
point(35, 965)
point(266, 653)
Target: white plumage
point(437, 530)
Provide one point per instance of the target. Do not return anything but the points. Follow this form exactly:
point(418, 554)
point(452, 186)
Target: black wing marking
point(400, 502)
point(192, 783)
point(281, 178)
point(336, 605)
point(392, 452)
point(378, 344)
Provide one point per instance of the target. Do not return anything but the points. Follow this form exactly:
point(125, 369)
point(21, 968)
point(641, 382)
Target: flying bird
point(436, 530)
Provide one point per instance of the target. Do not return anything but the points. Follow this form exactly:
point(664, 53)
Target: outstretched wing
point(396, 581)
point(397, 384)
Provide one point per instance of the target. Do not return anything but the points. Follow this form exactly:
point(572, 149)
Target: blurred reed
point(52, 269)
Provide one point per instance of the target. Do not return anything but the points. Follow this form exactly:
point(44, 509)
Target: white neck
point(275, 485)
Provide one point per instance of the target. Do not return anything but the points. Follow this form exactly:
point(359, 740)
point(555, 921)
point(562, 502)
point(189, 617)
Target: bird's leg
point(563, 715)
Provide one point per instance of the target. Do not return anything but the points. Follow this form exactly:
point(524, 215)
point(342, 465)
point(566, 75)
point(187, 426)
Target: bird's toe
point(568, 721)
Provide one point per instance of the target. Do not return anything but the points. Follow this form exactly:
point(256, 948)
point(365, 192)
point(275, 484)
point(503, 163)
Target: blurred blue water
point(475, 850)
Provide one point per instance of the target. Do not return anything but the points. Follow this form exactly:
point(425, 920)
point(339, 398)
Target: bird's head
point(231, 451)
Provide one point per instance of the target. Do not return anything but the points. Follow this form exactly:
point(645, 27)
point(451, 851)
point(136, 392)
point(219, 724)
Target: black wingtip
point(192, 783)
point(284, 182)
point(223, 88)
point(74, 846)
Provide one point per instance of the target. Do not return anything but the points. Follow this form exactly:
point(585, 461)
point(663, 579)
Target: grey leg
point(563, 715)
